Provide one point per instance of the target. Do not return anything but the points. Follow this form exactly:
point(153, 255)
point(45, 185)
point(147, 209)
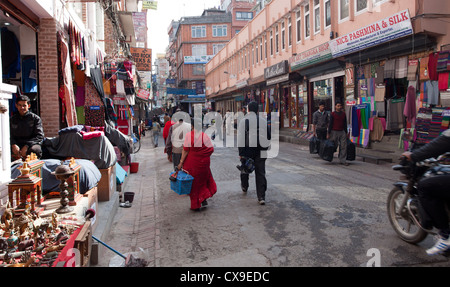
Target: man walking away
point(321, 119)
point(250, 149)
point(337, 132)
point(175, 140)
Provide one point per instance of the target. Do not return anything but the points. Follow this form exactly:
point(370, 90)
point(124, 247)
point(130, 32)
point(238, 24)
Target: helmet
point(247, 165)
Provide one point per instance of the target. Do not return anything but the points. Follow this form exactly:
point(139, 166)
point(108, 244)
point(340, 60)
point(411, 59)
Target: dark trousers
point(36, 149)
point(433, 194)
point(176, 157)
point(260, 178)
point(321, 134)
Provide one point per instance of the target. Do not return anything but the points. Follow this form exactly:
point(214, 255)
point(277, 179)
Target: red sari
point(197, 164)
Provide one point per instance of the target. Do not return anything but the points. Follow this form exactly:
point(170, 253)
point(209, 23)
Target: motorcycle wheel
point(401, 220)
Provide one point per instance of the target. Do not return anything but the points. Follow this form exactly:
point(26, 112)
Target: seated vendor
point(26, 131)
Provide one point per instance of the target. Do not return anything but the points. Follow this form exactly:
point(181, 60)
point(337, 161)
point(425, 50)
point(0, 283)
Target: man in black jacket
point(435, 191)
point(26, 130)
point(253, 141)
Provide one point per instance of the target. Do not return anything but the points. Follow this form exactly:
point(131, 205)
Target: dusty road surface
point(316, 214)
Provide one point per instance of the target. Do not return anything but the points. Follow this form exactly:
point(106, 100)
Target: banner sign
point(143, 94)
point(149, 5)
point(143, 58)
point(396, 26)
point(311, 57)
point(181, 91)
point(140, 25)
point(197, 59)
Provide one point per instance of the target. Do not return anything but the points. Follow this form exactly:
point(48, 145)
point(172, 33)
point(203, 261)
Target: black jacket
point(26, 130)
point(435, 148)
point(251, 139)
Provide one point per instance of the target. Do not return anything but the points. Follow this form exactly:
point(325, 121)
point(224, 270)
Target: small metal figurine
point(63, 172)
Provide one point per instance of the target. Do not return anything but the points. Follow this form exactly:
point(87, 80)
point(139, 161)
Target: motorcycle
point(403, 204)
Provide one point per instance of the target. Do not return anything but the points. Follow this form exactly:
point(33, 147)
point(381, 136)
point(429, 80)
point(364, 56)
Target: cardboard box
point(92, 196)
point(107, 184)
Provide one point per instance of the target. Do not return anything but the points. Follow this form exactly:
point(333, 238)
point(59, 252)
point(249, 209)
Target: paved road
point(316, 214)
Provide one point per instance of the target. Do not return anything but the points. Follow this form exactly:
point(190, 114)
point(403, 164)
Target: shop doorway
point(339, 92)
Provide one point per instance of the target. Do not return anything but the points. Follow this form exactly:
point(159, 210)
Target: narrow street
point(316, 214)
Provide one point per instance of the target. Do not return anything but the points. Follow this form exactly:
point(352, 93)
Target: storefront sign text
point(276, 70)
point(313, 56)
point(143, 58)
point(396, 26)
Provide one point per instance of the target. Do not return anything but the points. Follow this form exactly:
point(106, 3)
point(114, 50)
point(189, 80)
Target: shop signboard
point(143, 94)
point(191, 60)
point(310, 57)
point(396, 26)
point(143, 58)
point(276, 70)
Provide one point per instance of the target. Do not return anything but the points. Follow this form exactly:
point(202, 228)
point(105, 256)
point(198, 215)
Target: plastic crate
point(183, 183)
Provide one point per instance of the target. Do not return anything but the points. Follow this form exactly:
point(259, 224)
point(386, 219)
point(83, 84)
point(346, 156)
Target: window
point(307, 22)
point(289, 32)
point(361, 5)
point(199, 50)
point(343, 9)
point(271, 43)
point(316, 16)
point(277, 48)
point(257, 51)
point(283, 36)
point(219, 30)
point(244, 16)
point(198, 31)
point(299, 26)
point(327, 13)
point(265, 46)
point(261, 49)
point(198, 70)
point(217, 48)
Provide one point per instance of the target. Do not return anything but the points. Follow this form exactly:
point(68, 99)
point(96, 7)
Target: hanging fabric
point(69, 99)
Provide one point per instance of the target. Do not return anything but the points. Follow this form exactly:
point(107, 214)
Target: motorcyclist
point(434, 191)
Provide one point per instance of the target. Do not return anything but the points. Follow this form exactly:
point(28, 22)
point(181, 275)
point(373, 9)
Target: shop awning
point(21, 12)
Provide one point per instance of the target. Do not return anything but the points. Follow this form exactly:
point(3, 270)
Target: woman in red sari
point(195, 159)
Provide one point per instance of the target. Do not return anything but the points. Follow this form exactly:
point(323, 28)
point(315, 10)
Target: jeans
point(155, 138)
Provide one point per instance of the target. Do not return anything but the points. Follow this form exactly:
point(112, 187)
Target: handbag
point(314, 145)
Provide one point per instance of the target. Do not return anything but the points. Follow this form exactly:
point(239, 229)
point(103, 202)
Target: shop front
point(396, 85)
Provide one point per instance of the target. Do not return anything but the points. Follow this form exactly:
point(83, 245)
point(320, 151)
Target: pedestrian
point(248, 148)
point(26, 129)
point(175, 140)
point(337, 132)
point(166, 118)
point(156, 128)
point(228, 122)
point(196, 160)
point(321, 119)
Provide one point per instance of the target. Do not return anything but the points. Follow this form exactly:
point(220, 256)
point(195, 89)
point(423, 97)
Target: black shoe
point(244, 189)
point(261, 201)
point(204, 203)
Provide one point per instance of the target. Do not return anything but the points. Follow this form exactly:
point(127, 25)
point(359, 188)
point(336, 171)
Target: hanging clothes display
point(67, 85)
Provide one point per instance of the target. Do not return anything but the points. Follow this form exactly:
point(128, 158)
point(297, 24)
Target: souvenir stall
point(118, 84)
point(403, 93)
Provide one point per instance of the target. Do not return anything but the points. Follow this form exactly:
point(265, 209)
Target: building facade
point(296, 53)
point(57, 49)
